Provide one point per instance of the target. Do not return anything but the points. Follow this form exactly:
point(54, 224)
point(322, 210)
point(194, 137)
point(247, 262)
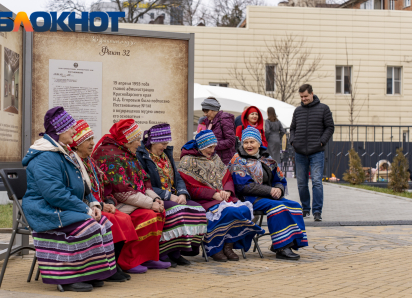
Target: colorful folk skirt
point(285, 222)
point(122, 228)
point(79, 252)
point(148, 226)
point(230, 223)
point(184, 227)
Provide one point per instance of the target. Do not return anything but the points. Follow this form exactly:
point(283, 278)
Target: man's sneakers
point(317, 216)
point(306, 214)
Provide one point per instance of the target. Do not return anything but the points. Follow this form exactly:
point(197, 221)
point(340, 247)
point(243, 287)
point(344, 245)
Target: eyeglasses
point(205, 111)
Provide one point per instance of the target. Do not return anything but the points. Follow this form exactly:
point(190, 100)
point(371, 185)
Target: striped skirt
point(230, 223)
point(285, 222)
point(184, 227)
point(79, 252)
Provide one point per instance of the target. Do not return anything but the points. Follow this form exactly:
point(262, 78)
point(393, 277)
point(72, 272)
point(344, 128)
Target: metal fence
point(376, 146)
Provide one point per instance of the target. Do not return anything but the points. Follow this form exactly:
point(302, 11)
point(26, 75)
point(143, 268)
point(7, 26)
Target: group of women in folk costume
point(102, 211)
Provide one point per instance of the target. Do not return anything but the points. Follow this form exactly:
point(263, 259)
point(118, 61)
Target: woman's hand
point(109, 208)
point(182, 200)
point(217, 196)
point(157, 207)
point(96, 213)
point(225, 195)
point(174, 198)
point(160, 202)
point(276, 193)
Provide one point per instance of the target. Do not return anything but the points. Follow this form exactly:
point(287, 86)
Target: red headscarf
point(251, 110)
point(245, 123)
point(123, 132)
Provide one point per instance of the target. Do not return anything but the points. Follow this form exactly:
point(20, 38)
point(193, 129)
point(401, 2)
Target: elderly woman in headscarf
point(115, 155)
point(185, 219)
point(210, 184)
point(63, 213)
point(259, 180)
point(123, 229)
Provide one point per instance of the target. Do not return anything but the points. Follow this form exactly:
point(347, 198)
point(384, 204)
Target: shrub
point(399, 175)
point(355, 174)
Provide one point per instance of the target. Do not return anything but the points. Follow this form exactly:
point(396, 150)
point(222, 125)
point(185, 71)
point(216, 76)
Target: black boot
point(78, 287)
point(168, 259)
point(117, 277)
point(128, 277)
point(95, 283)
point(287, 254)
point(181, 261)
point(194, 252)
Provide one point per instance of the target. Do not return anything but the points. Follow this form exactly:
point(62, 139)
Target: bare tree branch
point(293, 66)
point(77, 6)
point(188, 12)
point(134, 9)
point(229, 13)
point(354, 104)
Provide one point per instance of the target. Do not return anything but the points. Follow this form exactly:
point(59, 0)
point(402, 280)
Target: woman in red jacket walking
point(252, 117)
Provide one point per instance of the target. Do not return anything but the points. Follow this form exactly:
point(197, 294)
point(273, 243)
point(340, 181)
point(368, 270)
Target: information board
point(11, 52)
point(120, 76)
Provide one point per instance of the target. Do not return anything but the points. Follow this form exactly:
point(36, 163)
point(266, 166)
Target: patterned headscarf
point(83, 133)
point(56, 122)
point(157, 134)
point(123, 132)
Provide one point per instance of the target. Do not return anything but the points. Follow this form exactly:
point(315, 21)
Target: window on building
point(372, 4)
point(270, 78)
point(152, 16)
point(407, 3)
point(393, 80)
point(343, 79)
point(391, 4)
point(378, 4)
point(219, 84)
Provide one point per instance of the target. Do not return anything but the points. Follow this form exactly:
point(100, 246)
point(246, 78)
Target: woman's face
point(67, 137)
point(208, 152)
point(158, 148)
point(85, 149)
point(133, 145)
point(251, 146)
point(253, 117)
point(210, 114)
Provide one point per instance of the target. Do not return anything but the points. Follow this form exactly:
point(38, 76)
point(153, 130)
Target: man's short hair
point(305, 87)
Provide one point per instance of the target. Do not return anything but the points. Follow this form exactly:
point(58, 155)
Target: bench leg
point(204, 252)
point(33, 264)
point(6, 258)
point(255, 239)
point(243, 253)
point(37, 274)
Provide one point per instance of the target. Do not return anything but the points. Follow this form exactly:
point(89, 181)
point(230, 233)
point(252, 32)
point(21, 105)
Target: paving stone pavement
point(339, 262)
point(350, 204)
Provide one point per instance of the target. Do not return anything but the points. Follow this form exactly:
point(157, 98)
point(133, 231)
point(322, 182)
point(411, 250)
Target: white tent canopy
point(234, 100)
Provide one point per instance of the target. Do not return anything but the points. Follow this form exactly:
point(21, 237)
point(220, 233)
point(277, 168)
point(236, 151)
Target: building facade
point(372, 49)
point(378, 4)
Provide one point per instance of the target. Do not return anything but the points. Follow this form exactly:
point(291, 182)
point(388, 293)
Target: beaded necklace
point(90, 164)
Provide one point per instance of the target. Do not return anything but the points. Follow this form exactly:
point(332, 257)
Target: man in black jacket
point(312, 127)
